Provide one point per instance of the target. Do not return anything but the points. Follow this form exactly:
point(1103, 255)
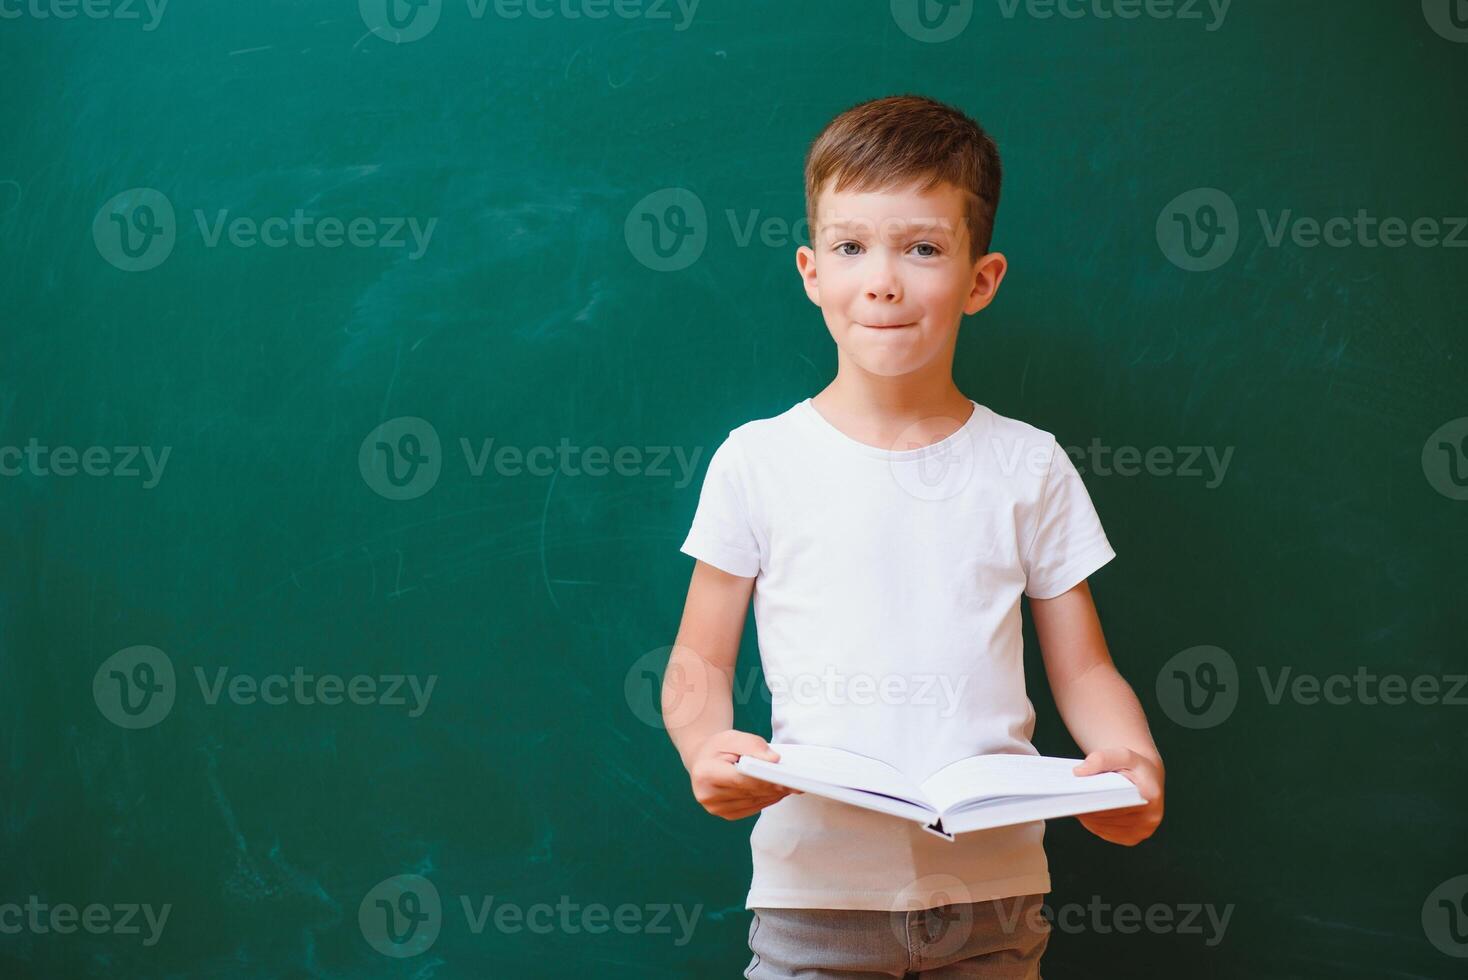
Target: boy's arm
point(1100, 710)
point(697, 698)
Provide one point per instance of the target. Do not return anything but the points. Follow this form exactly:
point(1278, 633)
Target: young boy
point(886, 529)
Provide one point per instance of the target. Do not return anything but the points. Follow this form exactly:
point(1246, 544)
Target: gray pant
point(1000, 939)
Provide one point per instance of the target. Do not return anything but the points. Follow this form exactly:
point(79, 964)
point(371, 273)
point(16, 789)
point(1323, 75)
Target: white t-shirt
point(887, 606)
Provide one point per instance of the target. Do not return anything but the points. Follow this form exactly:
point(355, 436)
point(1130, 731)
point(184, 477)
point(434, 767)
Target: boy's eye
point(926, 255)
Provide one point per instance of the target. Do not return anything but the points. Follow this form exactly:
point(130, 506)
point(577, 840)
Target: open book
point(976, 793)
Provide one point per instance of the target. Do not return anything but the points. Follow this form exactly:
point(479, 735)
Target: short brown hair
point(891, 142)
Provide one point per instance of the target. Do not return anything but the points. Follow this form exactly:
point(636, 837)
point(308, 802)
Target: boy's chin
point(885, 366)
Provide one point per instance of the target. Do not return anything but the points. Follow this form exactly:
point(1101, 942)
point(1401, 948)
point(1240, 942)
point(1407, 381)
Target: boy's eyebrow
point(938, 225)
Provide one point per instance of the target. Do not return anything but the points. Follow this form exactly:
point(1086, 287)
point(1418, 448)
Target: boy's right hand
point(725, 791)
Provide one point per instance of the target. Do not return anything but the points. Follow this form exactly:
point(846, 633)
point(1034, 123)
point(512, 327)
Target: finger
point(1109, 825)
point(747, 809)
point(726, 778)
point(1105, 760)
point(1129, 831)
point(748, 743)
point(1120, 813)
point(744, 787)
point(1102, 760)
point(1094, 821)
point(750, 786)
point(1112, 835)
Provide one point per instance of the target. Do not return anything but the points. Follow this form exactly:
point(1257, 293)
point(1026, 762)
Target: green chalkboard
point(360, 363)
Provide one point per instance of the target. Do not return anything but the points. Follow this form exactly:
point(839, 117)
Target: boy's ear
point(805, 264)
point(988, 273)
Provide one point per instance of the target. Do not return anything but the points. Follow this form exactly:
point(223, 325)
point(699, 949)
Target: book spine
point(936, 829)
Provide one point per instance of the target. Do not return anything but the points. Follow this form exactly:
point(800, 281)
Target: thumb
point(751, 744)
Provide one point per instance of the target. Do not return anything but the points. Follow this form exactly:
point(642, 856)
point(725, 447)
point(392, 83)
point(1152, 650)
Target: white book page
point(847, 769)
point(983, 776)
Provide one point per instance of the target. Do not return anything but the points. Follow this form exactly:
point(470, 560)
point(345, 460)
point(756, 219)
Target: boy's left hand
point(1133, 824)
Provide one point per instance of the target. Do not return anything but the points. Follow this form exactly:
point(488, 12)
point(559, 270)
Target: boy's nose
point(883, 288)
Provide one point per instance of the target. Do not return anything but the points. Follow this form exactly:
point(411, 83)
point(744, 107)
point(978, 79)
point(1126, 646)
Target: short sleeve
point(1068, 542)
point(721, 533)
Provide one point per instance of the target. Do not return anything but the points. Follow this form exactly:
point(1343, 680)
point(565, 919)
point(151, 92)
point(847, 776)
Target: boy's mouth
point(886, 326)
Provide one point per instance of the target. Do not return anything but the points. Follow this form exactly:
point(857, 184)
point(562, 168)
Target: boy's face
point(890, 271)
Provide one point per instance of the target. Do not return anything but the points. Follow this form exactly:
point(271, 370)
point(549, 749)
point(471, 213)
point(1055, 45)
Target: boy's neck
point(922, 407)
